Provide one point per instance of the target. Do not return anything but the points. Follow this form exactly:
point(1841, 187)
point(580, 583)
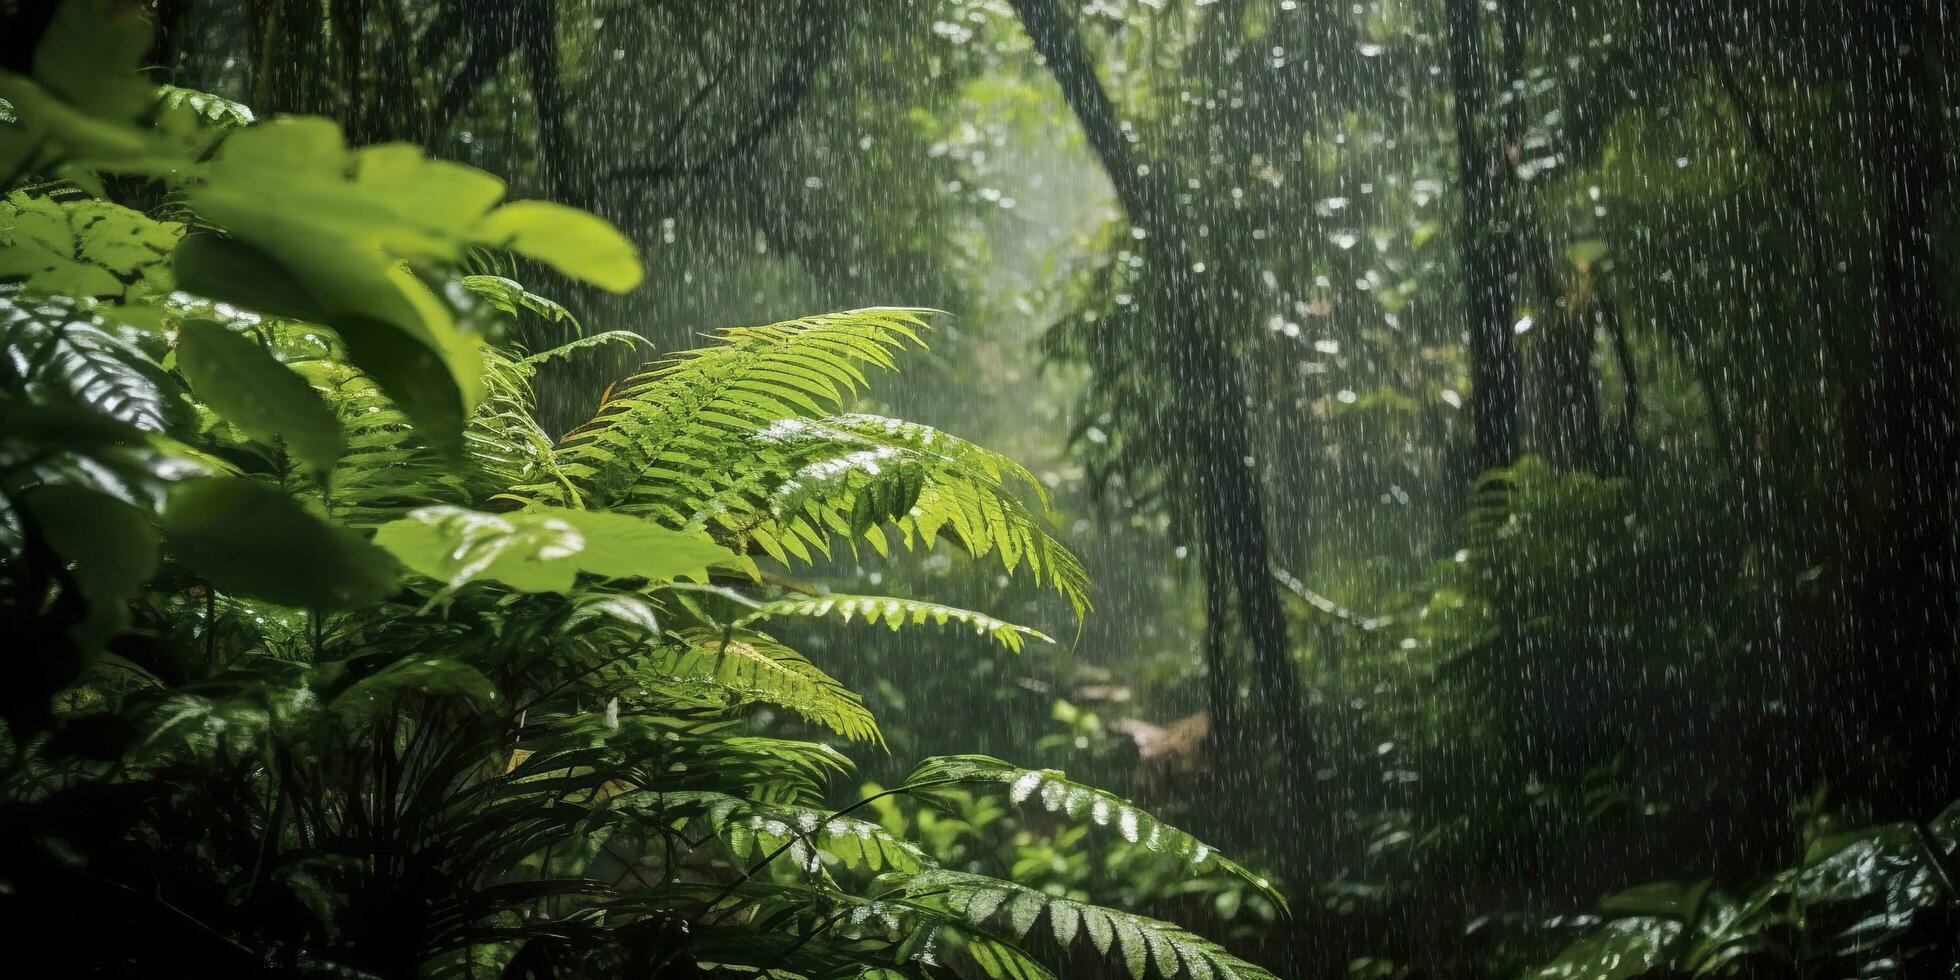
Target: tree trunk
point(1909, 600)
point(567, 177)
point(1487, 252)
point(1208, 417)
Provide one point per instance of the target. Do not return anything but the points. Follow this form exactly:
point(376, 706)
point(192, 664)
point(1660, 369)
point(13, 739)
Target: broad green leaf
point(71, 355)
point(456, 546)
point(43, 270)
point(342, 224)
point(1675, 899)
point(422, 208)
point(413, 375)
point(427, 675)
point(243, 382)
point(1621, 949)
point(576, 243)
point(544, 548)
point(89, 94)
point(230, 270)
point(250, 539)
point(618, 546)
point(90, 56)
point(109, 549)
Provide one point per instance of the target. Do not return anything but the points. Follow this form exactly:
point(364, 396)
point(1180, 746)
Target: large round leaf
point(576, 243)
point(250, 539)
point(252, 390)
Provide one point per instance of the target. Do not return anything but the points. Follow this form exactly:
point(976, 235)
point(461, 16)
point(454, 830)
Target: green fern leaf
point(849, 473)
point(896, 614)
point(753, 830)
point(655, 428)
point(995, 913)
point(1059, 795)
point(749, 666)
point(744, 437)
point(1001, 961)
point(387, 470)
point(508, 296)
point(211, 109)
point(623, 338)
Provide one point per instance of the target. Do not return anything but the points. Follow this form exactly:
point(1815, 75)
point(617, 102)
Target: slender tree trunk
point(1486, 251)
point(1558, 376)
point(1207, 415)
point(566, 173)
point(1910, 597)
point(350, 37)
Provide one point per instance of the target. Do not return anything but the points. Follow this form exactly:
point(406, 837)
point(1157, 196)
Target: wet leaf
point(251, 389)
point(250, 539)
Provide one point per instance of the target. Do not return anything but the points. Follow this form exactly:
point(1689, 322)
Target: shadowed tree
point(1488, 244)
point(1207, 419)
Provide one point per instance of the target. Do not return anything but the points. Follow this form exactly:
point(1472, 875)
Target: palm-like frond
point(1059, 795)
point(648, 448)
point(746, 666)
point(845, 476)
point(896, 613)
point(755, 830)
point(388, 471)
point(1003, 914)
point(745, 437)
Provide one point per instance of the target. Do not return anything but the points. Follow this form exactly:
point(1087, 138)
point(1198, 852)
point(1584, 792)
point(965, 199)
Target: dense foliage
point(329, 661)
point(1514, 440)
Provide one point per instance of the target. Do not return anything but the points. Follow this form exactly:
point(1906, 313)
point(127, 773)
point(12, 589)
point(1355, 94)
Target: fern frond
point(653, 428)
point(502, 435)
point(1004, 912)
point(386, 471)
point(1059, 795)
point(213, 110)
point(747, 666)
point(510, 297)
point(954, 450)
point(753, 830)
point(745, 437)
point(896, 613)
point(626, 338)
point(1004, 961)
point(681, 744)
point(846, 475)
point(54, 351)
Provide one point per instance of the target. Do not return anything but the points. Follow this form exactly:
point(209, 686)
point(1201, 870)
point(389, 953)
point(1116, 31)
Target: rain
point(1512, 445)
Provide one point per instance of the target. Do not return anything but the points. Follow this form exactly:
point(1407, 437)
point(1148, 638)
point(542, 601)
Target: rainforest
point(959, 489)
